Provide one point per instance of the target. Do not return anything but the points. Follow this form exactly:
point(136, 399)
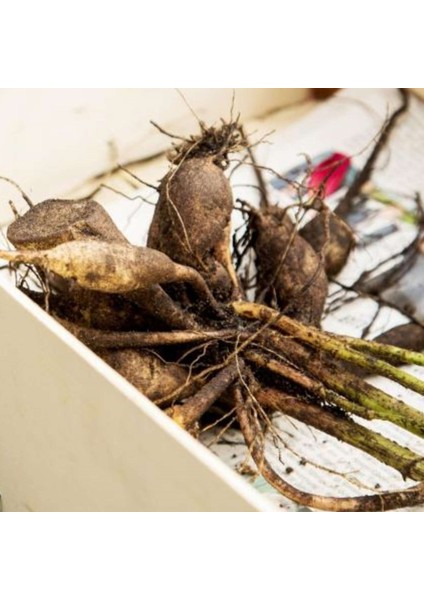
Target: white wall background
point(52, 140)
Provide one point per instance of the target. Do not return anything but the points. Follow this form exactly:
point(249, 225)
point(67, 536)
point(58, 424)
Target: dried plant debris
point(173, 317)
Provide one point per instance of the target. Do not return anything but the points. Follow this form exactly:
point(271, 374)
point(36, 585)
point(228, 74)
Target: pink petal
point(330, 173)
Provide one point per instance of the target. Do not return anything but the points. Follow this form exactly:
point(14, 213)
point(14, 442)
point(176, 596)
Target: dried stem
point(189, 413)
point(379, 404)
point(264, 202)
point(18, 187)
point(95, 338)
point(364, 175)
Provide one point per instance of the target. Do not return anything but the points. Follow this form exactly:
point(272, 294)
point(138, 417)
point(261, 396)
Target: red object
point(330, 173)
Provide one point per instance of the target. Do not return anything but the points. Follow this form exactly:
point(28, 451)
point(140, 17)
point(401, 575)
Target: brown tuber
point(146, 371)
point(191, 223)
point(290, 274)
point(55, 222)
point(111, 268)
point(336, 244)
point(94, 309)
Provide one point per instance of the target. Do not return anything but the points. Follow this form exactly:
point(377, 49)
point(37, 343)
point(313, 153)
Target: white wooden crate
point(74, 435)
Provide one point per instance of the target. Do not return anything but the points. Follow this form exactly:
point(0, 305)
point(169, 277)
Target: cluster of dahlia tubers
point(173, 318)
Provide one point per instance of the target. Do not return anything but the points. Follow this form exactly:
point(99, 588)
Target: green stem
point(375, 365)
point(391, 353)
point(407, 462)
point(313, 386)
point(362, 394)
point(331, 343)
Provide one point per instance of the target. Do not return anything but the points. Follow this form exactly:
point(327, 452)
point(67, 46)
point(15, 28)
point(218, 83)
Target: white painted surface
point(74, 435)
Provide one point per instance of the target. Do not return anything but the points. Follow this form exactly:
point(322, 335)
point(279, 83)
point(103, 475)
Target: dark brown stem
point(264, 202)
point(364, 175)
point(18, 187)
point(95, 338)
point(189, 413)
point(340, 238)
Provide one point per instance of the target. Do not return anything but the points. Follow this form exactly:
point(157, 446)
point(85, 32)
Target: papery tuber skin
point(191, 223)
point(146, 371)
point(290, 274)
point(339, 244)
point(111, 268)
point(54, 222)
